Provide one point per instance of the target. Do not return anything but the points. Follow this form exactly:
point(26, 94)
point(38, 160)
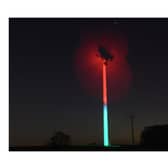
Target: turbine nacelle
point(104, 54)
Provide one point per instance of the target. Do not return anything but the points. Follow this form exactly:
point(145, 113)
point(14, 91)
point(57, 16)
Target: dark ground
point(91, 148)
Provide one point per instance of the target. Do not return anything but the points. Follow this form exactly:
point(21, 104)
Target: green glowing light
point(105, 125)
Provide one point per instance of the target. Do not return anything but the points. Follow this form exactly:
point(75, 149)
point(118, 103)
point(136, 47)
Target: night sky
point(46, 94)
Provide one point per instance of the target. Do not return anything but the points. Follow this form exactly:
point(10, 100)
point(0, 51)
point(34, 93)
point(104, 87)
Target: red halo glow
point(88, 65)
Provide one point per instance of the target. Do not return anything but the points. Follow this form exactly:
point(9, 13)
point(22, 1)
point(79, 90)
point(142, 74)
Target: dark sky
point(46, 96)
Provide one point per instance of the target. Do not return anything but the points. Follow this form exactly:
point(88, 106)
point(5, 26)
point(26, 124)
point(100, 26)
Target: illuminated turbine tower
point(105, 56)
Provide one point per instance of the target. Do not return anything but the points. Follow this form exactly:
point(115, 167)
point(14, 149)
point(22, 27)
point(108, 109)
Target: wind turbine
point(106, 57)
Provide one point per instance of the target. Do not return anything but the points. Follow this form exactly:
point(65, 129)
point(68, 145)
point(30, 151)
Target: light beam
point(105, 107)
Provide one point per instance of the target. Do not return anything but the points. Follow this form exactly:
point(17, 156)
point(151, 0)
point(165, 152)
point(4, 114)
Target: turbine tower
point(106, 57)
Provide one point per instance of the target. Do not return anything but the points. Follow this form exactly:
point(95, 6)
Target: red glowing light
point(104, 85)
point(89, 65)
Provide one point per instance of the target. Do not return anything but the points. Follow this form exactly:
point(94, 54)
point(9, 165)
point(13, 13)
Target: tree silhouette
point(155, 136)
point(59, 139)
